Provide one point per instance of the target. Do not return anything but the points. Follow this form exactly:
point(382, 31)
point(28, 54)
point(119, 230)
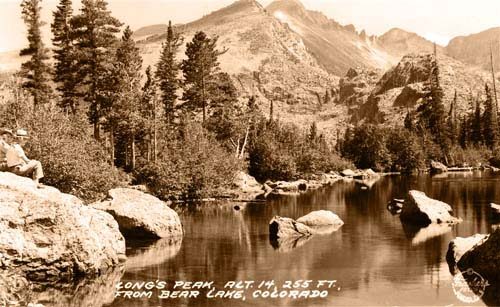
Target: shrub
point(193, 166)
point(285, 152)
point(470, 156)
point(406, 152)
point(365, 147)
point(72, 160)
point(268, 161)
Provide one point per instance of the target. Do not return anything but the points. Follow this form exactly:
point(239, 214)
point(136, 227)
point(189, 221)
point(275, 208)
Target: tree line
point(431, 133)
point(180, 128)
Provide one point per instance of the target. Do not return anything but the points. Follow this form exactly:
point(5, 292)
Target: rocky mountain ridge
point(313, 69)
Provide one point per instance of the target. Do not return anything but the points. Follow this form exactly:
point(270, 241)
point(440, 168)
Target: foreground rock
point(478, 254)
point(321, 218)
point(422, 210)
point(438, 167)
point(459, 246)
point(484, 257)
point(141, 215)
point(46, 235)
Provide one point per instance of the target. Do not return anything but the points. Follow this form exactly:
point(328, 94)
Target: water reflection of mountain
point(373, 257)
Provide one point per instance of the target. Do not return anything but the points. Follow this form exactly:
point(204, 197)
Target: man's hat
point(21, 133)
point(6, 131)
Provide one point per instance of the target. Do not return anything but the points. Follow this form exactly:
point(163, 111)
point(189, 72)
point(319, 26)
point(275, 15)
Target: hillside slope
point(401, 88)
point(336, 47)
point(265, 57)
point(475, 49)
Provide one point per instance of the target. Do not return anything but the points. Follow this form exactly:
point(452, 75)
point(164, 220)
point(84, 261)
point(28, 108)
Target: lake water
point(374, 258)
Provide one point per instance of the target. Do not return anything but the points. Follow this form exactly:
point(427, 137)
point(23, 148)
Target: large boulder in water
point(46, 235)
point(321, 218)
point(284, 227)
point(459, 246)
point(422, 210)
point(484, 257)
point(141, 215)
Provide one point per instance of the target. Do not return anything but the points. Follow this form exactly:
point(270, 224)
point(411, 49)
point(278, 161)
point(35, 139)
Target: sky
point(436, 20)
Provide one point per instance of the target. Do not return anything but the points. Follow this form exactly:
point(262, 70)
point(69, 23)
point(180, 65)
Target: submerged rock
point(46, 235)
point(395, 206)
point(422, 210)
point(141, 215)
point(321, 218)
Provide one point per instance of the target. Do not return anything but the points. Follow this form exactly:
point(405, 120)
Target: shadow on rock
point(419, 235)
point(152, 253)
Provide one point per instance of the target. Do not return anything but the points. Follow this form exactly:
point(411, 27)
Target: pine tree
point(167, 71)
point(124, 114)
point(94, 31)
point(476, 135)
point(149, 113)
point(35, 71)
point(432, 112)
point(451, 123)
point(464, 134)
point(408, 122)
point(490, 120)
point(199, 70)
point(312, 136)
point(64, 55)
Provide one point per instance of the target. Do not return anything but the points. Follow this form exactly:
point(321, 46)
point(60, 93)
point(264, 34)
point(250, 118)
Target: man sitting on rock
point(17, 162)
point(4, 146)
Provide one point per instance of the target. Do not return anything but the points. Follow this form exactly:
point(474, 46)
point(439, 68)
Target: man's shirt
point(16, 156)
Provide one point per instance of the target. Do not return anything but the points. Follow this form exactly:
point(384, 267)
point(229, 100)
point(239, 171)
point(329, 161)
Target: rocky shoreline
point(246, 188)
point(49, 237)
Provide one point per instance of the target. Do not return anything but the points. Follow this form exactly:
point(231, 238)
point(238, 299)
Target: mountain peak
point(287, 3)
point(400, 42)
